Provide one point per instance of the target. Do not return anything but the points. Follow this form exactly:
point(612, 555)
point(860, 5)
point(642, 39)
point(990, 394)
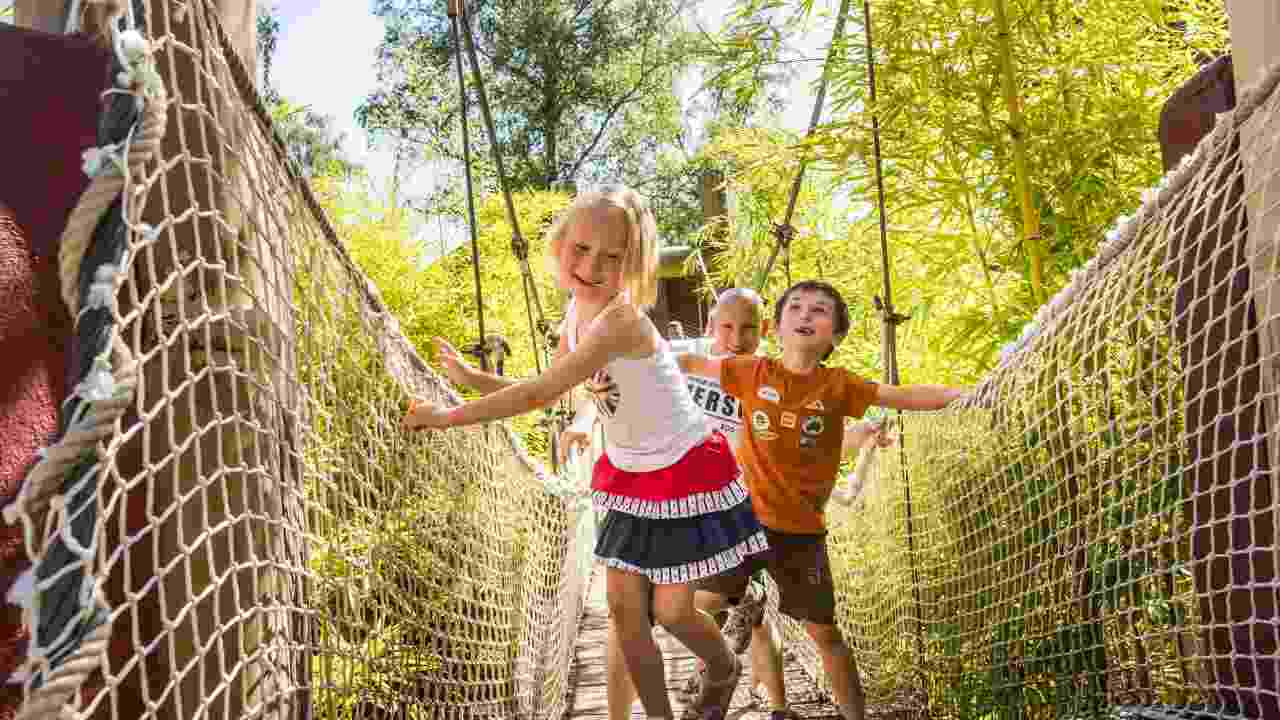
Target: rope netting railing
point(1095, 534)
point(232, 522)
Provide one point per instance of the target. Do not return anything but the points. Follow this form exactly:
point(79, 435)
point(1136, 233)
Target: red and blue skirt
point(685, 522)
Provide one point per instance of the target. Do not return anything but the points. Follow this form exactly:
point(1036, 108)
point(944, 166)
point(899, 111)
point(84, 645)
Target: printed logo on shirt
point(788, 420)
point(767, 393)
point(813, 426)
point(605, 392)
point(722, 409)
point(760, 424)
point(815, 405)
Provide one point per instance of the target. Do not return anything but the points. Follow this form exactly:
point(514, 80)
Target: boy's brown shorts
point(800, 567)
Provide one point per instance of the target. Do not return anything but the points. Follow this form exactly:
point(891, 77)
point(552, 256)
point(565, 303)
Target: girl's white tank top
point(650, 419)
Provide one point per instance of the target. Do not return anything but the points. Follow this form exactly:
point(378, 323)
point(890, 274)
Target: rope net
point(232, 522)
point(1096, 532)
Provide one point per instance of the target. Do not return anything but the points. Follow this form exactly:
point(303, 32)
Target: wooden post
point(1225, 326)
point(1255, 41)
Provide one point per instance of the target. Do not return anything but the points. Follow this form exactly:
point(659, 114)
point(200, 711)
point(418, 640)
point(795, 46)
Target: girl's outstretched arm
point(862, 438)
point(618, 333)
point(461, 372)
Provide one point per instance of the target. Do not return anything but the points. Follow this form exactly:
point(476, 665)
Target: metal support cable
point(783, 230)
point(455, 19)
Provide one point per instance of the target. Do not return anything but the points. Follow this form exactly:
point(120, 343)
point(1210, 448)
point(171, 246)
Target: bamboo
point(1017, 133)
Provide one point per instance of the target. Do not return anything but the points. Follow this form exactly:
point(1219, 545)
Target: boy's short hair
point(842, 322)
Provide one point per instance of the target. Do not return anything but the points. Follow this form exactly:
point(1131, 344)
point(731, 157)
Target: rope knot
point(785, 233)
point(887, 313)
point(98, 160)
point(519, 247)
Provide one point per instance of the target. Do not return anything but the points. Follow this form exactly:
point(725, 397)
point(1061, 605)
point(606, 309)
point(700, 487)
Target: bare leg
point(673, 607)
point(841, 669)
point(628, 596)
point(620, 691)
point(709, 602)
point(766, 665)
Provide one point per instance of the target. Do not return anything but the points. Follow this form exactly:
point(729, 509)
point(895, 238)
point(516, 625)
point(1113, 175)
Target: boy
point(790, 453)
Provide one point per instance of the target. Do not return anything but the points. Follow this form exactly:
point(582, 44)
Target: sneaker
point(692, 685)
point(714, 696)
point(746, 615)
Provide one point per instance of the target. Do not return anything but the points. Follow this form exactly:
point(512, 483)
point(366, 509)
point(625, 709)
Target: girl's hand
point(425, 415)
point(455, 366)
point(571, 440)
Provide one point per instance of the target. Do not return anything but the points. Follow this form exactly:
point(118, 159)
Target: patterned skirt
point(682, 523)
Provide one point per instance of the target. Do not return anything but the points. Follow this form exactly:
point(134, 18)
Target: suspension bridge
point(228, 521)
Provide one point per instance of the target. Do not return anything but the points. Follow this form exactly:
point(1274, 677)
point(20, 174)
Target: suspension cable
point(890, 321)
point(454, 30)
point(539, 330)
point(519, 246)
point(890, 318)
point(783, 231)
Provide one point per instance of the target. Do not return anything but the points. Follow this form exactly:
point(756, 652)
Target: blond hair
point(640, 261)
point(735, 294)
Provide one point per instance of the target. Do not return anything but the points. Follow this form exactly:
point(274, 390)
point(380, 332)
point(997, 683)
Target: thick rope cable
point(783, 230)
point(519, 246)
point(66, 648)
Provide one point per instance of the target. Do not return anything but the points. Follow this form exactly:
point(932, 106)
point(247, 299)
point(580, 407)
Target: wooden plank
point(588, 698)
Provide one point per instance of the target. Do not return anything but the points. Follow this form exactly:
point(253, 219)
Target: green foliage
point(268, 38)
point(1091, 79)
point(313, 144)
point(413, 543)
point(438, 300)
point(579, 93)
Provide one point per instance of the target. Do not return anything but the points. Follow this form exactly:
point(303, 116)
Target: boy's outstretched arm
point(917, 397)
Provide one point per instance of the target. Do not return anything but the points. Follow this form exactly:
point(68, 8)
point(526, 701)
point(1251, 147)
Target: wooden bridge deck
point(587, 676)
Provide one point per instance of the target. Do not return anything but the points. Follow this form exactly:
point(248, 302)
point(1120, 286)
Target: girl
point(677, 508)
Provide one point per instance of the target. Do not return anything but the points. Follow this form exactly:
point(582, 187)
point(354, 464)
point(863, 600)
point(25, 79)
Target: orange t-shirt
point(793, 427)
